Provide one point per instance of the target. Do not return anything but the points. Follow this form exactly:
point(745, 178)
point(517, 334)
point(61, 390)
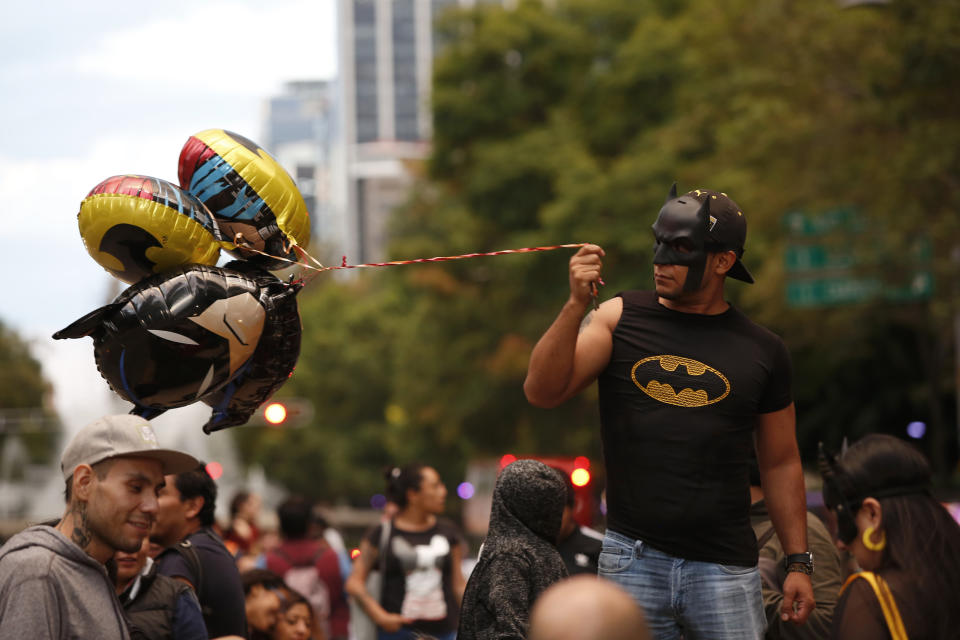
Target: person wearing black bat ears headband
point(687, 385)
point(905, 542)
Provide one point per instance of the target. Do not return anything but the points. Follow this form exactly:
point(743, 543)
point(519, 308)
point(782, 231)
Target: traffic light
point(275, 413)
point(286, 413)
point(580, 477)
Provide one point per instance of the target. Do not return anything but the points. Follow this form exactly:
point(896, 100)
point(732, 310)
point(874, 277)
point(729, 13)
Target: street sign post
point(823, 268)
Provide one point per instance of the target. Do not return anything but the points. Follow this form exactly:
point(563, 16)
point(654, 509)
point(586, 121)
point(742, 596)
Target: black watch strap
point(802, 562)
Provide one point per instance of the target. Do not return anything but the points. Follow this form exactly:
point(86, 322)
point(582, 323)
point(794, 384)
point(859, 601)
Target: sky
point(99, 88)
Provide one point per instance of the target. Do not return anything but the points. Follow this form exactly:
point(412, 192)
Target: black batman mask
point(681, 232)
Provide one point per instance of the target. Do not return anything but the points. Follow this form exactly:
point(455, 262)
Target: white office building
point(386, 50)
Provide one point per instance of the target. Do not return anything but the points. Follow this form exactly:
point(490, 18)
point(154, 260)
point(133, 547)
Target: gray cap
point(123, 435)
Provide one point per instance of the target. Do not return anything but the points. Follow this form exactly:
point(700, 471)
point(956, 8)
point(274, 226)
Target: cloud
point(221, 47)
point(42, 196)
point(45, 258)
point(101, 88)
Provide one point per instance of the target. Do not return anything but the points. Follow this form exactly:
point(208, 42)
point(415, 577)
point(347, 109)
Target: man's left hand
point(798, 600)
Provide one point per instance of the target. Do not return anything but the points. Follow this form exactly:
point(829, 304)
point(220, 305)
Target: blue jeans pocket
point(614, 559)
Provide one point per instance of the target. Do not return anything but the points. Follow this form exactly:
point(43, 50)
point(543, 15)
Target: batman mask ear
point(703, 214)
point(90, 324)
point(673, 192)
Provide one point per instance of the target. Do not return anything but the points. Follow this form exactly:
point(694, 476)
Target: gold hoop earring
point(868, 539)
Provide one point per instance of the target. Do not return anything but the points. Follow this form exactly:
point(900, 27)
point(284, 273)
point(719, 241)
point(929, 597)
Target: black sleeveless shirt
point(678, 406)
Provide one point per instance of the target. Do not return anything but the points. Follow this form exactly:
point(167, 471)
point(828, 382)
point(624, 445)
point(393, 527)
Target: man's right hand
point(585, 266)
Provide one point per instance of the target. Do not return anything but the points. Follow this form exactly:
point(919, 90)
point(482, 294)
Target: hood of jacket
point(525, 516)
point(49, 538)
point(79, 594)
point(528, 498)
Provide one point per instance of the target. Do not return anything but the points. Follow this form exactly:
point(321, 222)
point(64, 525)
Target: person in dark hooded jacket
point(519, 558)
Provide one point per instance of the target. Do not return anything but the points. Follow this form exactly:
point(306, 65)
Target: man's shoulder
point(759, 331)
point(638, 298)
point(35, 552)
point(205, 537)
point(29, 562)
point(208, 543)
point(168, 586)
point(180, 560)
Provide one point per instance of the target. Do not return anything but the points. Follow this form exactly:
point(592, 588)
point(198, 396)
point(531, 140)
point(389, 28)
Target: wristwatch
point(801, 562)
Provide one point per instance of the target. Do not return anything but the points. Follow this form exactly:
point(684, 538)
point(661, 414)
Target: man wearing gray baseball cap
point(53, 583)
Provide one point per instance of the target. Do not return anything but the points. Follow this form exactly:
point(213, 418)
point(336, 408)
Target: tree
point(567, 122)
point(25, 398)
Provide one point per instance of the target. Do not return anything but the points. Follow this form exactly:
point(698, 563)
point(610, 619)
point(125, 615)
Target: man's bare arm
point(574, 350)
point(781, 476)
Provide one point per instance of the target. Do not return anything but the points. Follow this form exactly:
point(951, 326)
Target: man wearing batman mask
point(688, 385)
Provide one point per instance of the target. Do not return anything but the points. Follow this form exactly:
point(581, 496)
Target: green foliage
point(24, 398)
point(568, 124)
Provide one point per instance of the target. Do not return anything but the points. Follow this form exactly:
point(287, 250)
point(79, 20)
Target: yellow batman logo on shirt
point(680, 381)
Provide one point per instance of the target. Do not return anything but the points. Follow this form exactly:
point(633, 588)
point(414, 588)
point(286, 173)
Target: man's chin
point(667, 294)
point(130, 545)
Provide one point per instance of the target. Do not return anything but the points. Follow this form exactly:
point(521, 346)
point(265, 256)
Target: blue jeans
point(407, 634)
point(685, 598)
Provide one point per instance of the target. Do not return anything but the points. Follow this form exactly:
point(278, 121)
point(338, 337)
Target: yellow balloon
point(137, 226)
point(253, 199)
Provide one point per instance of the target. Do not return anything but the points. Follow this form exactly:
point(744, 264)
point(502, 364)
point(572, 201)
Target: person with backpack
point(195, 554)
point(310, 567)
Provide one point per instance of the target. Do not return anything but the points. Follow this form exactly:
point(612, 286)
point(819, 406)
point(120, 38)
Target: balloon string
point(395, 263)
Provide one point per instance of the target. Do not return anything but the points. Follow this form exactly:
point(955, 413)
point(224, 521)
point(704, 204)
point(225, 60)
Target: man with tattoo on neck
point(53, 582)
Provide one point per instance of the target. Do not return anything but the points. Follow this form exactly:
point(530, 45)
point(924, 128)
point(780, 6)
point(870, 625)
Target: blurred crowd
point(139, 554)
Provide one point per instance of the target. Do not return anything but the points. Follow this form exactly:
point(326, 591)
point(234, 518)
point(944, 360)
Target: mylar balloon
point(253, 199)
point(273, 361)
point(170, 339)
point(136, 226)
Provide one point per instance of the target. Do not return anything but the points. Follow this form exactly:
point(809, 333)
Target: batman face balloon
point(254, 200)
point(175, 337)
point(273, 361)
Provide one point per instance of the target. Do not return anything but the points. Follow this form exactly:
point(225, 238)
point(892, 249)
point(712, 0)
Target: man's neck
point(191, 528)
point(711, 306)
point(74, 526)
point(706, 301)
point(181, 534)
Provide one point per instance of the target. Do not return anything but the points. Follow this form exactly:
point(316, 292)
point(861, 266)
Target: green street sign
point(800, 257)
point(802, 224)
point(824, 268)
point(838, 290)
